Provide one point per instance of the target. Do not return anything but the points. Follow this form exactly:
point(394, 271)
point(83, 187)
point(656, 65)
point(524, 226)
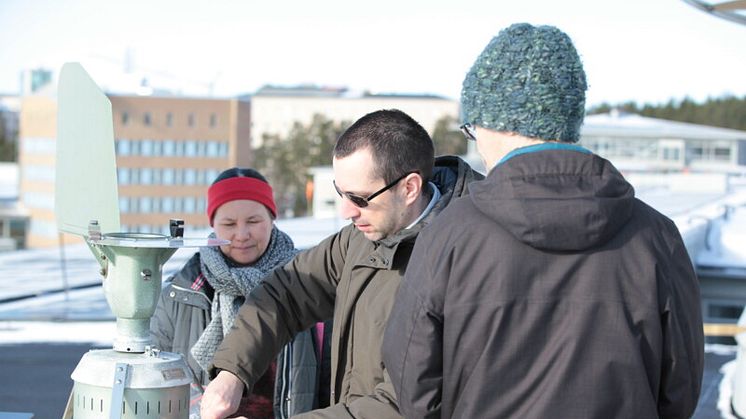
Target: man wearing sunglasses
point(391, 188)
point(550, 291)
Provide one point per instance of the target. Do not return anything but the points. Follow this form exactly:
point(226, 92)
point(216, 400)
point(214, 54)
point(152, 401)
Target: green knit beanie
point(528, 80)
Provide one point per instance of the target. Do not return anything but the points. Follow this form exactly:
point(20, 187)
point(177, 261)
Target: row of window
point(166, 176)
point(135, 176)
point(162, 204)
point(169, 119)
point(171, 148)
point(146, 147)
point(645, 149)
point(707, 150)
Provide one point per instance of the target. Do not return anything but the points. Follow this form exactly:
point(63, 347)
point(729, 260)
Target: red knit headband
point(235, 188)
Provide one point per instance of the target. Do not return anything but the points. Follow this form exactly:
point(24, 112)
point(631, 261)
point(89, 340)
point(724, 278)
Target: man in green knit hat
point(549, 290)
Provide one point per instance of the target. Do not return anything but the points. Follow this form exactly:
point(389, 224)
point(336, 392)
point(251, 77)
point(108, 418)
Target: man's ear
point(413, 184)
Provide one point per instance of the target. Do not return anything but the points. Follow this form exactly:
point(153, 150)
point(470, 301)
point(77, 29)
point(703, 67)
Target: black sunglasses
point(361, 202)
point(469, 132)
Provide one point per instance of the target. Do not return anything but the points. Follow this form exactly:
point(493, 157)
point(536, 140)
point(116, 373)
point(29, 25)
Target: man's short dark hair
point(398, 143)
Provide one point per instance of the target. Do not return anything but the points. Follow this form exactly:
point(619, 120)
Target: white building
point(274, 110)
point(637, 143)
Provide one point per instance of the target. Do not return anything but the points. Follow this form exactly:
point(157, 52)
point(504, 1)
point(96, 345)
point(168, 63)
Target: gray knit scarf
point(232, 285)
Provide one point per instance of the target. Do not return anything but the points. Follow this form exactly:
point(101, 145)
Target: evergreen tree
point(7, 144)
point(447, 137)
point(727, 112)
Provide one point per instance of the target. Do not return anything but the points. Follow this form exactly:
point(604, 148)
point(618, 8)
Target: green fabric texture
point(528, 80)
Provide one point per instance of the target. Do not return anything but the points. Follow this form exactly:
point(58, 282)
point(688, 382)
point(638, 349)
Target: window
point(722, 153)
point(157, 176)
point(201, 205)
point(223, 149)
point(124, 205)
point(189, 205)
point(34, 145)
point(190, 120)
point(123, 176)
point(43, 228)
point(169, 119)
point(146, 204)
point(38, 173)
point(190, 176)
point(190, 148)
point(213, 120)
point(210, 175)
point(146, 148)
point(157, 147)
point(134, 148)
point(201, 148)
point(146, 176)
point(167, 204)
point(670, 154)
point(167, 176)
point(724, 311)
point(125, 118)
point(169, 148)
point(134, 176)
point(38, 200)
point(213, 148)
point(146, 119)
point(179, 148)
point(123, 147)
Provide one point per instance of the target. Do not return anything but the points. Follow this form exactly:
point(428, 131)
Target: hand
point(222, 396)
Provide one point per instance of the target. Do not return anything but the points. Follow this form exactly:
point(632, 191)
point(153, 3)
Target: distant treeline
point(726, 112)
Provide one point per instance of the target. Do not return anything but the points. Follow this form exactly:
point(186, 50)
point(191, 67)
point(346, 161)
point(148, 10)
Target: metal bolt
point(146, 274)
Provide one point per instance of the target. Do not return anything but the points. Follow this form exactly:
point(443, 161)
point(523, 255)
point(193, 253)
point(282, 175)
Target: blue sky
point(638, 50)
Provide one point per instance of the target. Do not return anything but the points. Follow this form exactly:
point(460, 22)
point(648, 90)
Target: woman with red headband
point(199, 304)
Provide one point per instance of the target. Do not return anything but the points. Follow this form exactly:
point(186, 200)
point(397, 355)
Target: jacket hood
point(451, 175)
point(559, 200)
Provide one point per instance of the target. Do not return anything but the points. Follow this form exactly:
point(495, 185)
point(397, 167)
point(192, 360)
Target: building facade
point(168, 151)
point(636, 143)
point(274, 110)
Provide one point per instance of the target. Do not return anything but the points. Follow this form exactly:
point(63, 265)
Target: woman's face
point(248, 226)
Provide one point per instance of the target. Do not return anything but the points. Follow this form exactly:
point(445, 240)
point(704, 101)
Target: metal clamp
point(121, 371)
point(176, 227)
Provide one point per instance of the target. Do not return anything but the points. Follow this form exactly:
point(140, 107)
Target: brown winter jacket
point(549, 292)
point(352, 279)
